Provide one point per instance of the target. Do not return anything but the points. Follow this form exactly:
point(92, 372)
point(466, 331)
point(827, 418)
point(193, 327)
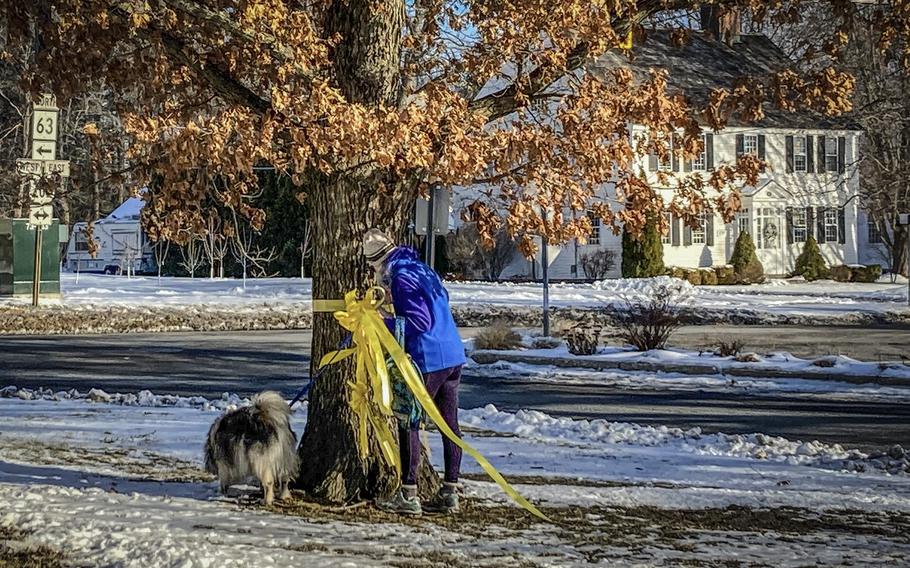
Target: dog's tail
point(271, 405)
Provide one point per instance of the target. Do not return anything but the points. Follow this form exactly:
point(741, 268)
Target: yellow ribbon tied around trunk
point(371, 391)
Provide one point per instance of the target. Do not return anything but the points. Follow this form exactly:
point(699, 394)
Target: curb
point(489, 357)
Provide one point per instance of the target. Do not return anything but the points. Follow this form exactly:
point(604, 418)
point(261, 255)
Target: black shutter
point(790, 168)
point(789, 212)
point(652, 162)
point(820, 225)
point(674, 159)
point(674, 230)
point(740, 145)
point(687, 234)
point(841, 155)
point(687, 165)
point(709, 228)
point(810, 221)
point(761, 147)
point(821, 154)
point(841, 228)
point(709, 151)
point(810, 155)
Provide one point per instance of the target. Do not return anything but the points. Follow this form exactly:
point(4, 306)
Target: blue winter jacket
point(431, 336)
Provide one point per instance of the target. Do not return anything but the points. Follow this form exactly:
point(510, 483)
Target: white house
point(811, 186)
point(121, 243)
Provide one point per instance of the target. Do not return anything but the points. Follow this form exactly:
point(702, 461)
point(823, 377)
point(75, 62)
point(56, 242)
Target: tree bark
point(900, 262)
point(342, 209)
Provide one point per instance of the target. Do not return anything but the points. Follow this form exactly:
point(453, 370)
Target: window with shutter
point(750, 144)
point(831, 226)
point(698, 234)
point(701, 161)
point(800, 156)
point(831, 155)
point(665, 237)
point(800, 227)
point(594, 237)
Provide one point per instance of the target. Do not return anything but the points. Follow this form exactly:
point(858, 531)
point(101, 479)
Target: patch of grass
point(498, 337)
point(17, 552)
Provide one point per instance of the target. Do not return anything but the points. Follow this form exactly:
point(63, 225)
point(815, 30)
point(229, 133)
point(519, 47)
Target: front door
point(768, 227)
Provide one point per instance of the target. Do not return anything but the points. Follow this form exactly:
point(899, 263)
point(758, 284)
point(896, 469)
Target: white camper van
point(122, 245)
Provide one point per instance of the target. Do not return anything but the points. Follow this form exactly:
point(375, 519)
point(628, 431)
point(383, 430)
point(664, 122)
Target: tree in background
point(643, 253)
point(810, 264)
point(365, 104)
point(746, 266)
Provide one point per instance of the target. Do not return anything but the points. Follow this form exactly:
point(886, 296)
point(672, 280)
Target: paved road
point(212, 363)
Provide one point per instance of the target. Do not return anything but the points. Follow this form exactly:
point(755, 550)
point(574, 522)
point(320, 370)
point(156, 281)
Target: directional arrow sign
point(44, 150)
point(41, 216)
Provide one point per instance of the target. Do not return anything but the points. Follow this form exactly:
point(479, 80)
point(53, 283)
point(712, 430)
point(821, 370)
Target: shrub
point(810, 264)
point(499, 337)
point(708, 277)
point(643, 257)
point(598, 264)
point(648, 325)
point(725, 274)
point(870, 273)
point(746, 266)
point(546, 343)
point(582, 339)
point(841, 273)
point(729, 348)
point(693, 276)
point(678, 272)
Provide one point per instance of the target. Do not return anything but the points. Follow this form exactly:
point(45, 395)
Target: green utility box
point(17, 258)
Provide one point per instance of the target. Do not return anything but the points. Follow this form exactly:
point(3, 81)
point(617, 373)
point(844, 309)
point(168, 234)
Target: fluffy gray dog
point(255, 441)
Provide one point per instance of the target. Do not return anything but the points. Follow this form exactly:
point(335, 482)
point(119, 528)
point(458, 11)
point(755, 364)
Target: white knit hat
point(376, 246)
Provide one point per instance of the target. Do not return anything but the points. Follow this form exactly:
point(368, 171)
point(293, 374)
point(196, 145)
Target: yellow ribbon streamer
point(371, 337)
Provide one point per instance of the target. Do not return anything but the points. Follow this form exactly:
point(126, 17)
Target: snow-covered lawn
point(777, 295)
point(781, 365)
point(117, 483)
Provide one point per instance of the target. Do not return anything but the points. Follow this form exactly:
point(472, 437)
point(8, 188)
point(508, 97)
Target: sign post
point(431, 218)
point(904, 219)
point(34, 170)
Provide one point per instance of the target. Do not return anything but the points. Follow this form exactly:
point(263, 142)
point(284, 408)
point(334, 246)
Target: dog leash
point(344, 344)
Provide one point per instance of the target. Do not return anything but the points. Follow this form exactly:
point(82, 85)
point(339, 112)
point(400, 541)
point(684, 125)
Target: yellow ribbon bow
point(372, 386)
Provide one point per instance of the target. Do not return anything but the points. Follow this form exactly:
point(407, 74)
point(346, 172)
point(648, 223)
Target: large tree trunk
point(342, 209)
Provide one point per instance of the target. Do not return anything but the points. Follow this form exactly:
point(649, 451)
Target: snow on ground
point(634, 380)
point(777, 296)
point(827, 366)
point(91, 478)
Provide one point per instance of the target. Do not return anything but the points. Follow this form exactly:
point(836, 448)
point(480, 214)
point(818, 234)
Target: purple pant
point(443, 387)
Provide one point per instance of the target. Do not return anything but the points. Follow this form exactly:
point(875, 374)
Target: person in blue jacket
point(431, 339)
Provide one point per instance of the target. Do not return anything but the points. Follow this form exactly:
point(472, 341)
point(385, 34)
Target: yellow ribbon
point(371, 337)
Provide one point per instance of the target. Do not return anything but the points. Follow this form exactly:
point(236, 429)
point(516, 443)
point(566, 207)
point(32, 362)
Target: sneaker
point(405, 502)
point(445, 501)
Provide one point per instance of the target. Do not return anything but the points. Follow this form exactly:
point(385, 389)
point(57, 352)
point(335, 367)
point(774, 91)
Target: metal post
point(546, 279)
point(431, 231)
point(36, 284)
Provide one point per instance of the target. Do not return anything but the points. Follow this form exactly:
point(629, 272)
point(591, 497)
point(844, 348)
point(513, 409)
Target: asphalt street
point(209, 364)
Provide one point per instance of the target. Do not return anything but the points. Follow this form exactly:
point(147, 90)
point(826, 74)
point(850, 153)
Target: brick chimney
point(723, 24)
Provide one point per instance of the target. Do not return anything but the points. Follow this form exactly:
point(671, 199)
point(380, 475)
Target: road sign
point(41, 216)
point(28, 167)
point(59, 167)
point(442, 201)
point(44, 150)
point(44, 125)
point(46, 102)
point(38, 193)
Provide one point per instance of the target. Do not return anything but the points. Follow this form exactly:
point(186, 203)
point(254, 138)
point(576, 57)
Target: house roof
point(704, 63)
